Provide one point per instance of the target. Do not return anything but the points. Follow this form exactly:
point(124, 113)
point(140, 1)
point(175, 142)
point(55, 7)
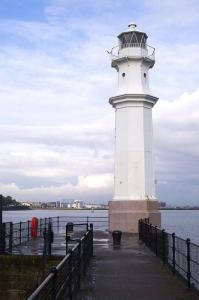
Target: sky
point(56, 125)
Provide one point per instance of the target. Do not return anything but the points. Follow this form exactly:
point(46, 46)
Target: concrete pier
point(129, 272)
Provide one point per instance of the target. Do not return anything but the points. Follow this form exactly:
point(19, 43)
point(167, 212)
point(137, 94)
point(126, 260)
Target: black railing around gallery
point(180, 254)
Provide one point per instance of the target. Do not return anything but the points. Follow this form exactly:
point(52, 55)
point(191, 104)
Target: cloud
point(177, 147)
point(56, 126)
point(87, 189)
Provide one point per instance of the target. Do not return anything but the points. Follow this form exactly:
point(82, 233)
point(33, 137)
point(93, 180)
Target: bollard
point(116, 234)
point(70, 226)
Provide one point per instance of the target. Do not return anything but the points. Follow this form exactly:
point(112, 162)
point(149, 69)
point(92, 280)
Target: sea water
point(185, 223)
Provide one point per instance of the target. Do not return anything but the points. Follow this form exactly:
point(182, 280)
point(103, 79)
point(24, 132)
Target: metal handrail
point(14, 234)
point(175, 251)
point(63, 279)
point(116, 51)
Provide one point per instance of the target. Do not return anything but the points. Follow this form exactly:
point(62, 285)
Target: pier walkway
point(131, 272)
point(128, 272)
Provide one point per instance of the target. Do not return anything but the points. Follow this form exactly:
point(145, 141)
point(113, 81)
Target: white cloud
point(57, 128)
point(87, 188)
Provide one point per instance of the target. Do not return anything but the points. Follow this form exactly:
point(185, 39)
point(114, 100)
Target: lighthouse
point(134, 184)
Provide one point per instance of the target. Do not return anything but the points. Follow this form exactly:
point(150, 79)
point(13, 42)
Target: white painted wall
point(134, 170)
point(134, 176)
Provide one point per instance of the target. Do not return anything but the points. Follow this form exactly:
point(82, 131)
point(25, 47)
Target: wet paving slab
point(130, 271)
point(127, 272)
point(36, 246)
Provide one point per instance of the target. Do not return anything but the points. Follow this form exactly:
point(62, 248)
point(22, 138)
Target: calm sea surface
point(184, 223)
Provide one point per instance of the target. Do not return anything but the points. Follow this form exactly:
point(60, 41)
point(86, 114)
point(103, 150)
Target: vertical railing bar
point(71, 275)
point(11, 238)
point(156, 240)
point(20, 232)
point(173, 252)
point(54, 292)
point(28, 230)
point(188, 263)
point(67, 238)
point(58, 224)
point(163, 246)
point(79, 264)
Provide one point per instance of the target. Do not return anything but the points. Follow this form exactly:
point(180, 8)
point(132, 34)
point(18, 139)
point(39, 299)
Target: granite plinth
point(124, 215)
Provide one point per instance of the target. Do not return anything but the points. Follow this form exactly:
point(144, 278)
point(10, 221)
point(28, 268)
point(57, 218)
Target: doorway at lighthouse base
point(124, 215)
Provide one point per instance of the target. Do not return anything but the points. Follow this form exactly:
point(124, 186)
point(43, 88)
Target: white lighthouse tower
point(134, 186)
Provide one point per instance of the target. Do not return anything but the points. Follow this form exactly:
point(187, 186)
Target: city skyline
point(56, 125)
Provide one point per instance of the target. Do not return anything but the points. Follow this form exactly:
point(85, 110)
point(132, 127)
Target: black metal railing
point(180, 254)
point(15, 234)
point(64, 281)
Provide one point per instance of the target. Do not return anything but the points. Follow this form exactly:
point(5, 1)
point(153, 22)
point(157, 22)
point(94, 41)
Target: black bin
point(70, 226)
point(117, 234)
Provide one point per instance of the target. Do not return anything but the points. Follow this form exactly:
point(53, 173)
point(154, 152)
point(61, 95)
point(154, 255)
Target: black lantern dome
point(132, 38)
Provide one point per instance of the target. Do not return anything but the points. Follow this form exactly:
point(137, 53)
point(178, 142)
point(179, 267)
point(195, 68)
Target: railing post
point(144, 231)
point(174, 253)
point(3, 241)
point(20, 232)
point(54, 293)
point(1, 225)
point(91, 241)
point(163, 246)
point(49, 239)
point(156, 240)
point(70, 281)
point(150, 237)
point(67, 238)
point(28, 230)
point(188, 263)
point(10, 237)
point(79, 264)
point(139, 228)
point(40, 227)
point(58, 224)
point(45, 243)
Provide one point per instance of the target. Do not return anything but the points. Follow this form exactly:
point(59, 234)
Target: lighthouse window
point(144, 75)
point(123, 74)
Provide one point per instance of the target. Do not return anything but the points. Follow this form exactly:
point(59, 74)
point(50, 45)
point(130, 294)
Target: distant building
point(36, 204)
point(66, 203)
point(90, 206)
point(78, 204)
point(58, 204)
point(51, 204)
point(27, 204)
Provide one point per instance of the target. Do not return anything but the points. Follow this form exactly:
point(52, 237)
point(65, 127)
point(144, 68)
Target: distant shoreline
point(82, 209)
point(180, 208)
point(72, 209)
point(15, 208)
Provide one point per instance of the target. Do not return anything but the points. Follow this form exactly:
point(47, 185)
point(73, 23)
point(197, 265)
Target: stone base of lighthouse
point(124, 215)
